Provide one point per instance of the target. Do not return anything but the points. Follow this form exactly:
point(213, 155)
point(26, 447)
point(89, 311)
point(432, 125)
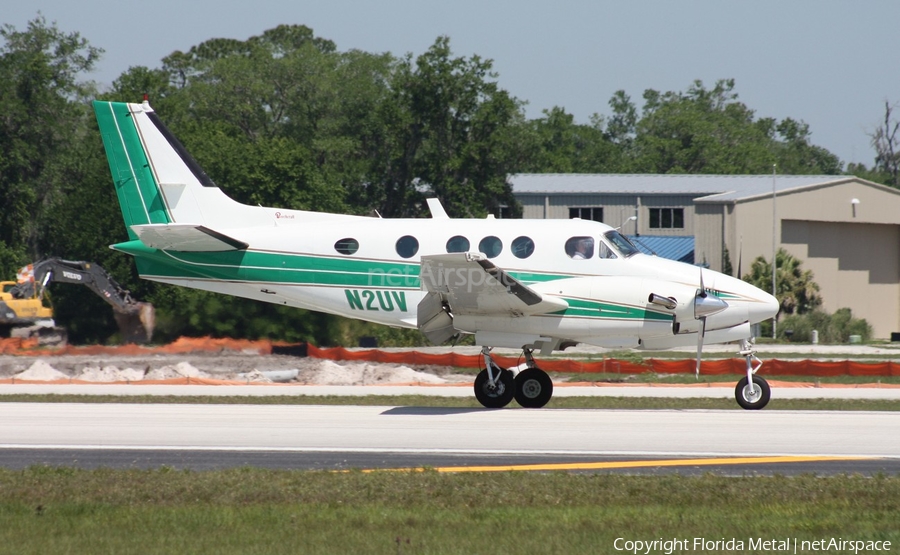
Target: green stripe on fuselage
point(136, 187)
point(599, 309)
point(269, 267)
point(307, 269)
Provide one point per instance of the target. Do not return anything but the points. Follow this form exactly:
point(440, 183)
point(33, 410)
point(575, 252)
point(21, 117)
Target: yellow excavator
point(23, 314)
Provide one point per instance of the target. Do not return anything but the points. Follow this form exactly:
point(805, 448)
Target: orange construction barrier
point(773, 367)
point(614, 366)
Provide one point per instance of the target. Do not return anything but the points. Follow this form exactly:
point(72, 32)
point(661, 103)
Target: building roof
point(713, 188)
point(679, 248)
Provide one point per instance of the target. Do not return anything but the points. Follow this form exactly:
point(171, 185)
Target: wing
point(186, 237)
point(469, 283)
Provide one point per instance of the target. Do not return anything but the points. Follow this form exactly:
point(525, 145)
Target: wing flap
point(186, 238)
point(472, 284)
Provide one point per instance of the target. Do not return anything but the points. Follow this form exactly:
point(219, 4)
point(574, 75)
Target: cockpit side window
point(604, 251)
point(621, 243)
point(580, 248)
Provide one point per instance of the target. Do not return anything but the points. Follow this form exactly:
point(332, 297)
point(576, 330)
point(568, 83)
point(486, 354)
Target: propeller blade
point(704, 305)
point(700, 336)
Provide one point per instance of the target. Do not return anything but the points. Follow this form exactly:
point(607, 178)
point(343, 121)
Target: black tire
point(498, 396)
point(533, 388)
point(745, 396)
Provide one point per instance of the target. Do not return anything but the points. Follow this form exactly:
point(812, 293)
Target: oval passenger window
point(407, 246)
point(457, 243)
point(522, 247)
point(491, 246)
point(347, 246)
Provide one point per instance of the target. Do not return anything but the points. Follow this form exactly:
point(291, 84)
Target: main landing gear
point(752, 392)
point(495, 387)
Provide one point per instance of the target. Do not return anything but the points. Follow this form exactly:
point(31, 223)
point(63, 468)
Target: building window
point(503, 212)
point(594, 213)
point(667, 218)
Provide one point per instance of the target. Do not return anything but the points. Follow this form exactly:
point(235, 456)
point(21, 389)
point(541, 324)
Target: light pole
point(774, 251)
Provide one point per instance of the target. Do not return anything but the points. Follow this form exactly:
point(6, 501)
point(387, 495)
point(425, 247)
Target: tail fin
point(136, 184)
point(156, 180)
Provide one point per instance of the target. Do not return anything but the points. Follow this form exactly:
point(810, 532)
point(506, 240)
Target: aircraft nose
point(766, 308)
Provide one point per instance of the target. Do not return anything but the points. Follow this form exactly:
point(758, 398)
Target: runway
point(721, 390)
point(337, 437)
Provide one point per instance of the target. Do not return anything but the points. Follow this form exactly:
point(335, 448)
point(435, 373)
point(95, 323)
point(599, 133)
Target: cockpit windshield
point(622, 244)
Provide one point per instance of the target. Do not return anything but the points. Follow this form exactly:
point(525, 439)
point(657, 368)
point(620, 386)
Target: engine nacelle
point(691, 307)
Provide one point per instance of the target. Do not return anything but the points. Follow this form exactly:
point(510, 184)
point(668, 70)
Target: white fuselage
point(377, 284)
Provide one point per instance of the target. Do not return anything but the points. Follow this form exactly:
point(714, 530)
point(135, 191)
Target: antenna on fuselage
point(437, 209)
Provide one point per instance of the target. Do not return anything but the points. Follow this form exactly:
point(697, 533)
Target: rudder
point(138, 191)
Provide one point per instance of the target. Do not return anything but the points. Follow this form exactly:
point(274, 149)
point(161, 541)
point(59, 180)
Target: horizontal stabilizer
point(186, 238)
point(472, 284)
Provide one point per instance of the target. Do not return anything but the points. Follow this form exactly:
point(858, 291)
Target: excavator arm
point(136, 319)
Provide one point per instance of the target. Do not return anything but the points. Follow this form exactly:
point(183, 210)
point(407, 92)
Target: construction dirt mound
point(232, 367)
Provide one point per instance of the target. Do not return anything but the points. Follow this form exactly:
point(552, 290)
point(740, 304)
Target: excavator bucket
point(136, 326)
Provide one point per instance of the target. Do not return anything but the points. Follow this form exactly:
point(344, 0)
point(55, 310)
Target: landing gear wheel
point(500, 394)
point(752, 396)
point(533, 388)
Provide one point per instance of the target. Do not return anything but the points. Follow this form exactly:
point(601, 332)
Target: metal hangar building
point(843, 228)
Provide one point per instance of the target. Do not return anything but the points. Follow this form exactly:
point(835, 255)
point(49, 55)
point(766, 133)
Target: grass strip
point(637, 403)
point(64, 510)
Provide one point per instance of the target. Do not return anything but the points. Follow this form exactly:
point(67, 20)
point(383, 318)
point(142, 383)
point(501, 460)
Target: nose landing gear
point(752, 392)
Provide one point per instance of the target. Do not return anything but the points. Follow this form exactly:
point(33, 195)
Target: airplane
point(534, 285)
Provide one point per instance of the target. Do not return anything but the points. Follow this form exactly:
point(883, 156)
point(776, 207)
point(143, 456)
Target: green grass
point(637, 403)
point(50, 510)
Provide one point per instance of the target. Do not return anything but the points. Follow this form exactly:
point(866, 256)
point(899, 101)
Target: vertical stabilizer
point(157, 180)
point(137, 188)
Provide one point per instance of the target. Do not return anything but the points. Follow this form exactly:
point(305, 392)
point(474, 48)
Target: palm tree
point(797, 293)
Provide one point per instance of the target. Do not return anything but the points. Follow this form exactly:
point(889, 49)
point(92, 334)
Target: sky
point(829, 63)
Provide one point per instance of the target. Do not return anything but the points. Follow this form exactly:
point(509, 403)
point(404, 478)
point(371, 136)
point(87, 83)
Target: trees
point(699, 131)
point(887, 145)
point(51, 170)
point(709, 131)
point(451, 132)
point(286, 119)
point(562, 146)
point(40, 119)
point(796, 291)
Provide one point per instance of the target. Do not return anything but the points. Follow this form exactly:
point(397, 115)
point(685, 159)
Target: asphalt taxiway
point(449, 439)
